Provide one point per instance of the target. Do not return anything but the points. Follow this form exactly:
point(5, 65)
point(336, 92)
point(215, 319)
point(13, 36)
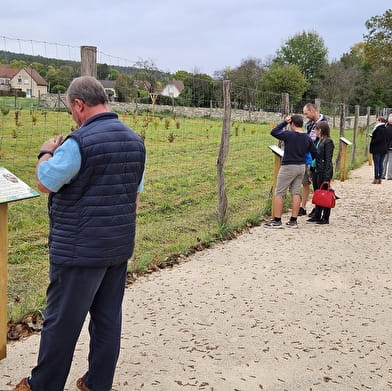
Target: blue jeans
point(72, 293)
point(378, 160)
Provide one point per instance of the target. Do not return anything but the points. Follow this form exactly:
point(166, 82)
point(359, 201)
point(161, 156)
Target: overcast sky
point(192, 35)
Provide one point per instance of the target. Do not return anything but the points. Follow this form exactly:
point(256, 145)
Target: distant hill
point(7, 57)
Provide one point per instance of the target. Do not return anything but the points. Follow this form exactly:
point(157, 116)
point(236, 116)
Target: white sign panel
point(12, 188)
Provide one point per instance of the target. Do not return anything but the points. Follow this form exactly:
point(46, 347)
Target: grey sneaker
point(273, 224)
point(291, 224)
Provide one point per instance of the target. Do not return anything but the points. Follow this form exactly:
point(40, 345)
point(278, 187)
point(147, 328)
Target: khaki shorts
point(290, 176)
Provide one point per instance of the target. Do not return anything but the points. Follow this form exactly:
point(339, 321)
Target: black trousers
point(74, 292)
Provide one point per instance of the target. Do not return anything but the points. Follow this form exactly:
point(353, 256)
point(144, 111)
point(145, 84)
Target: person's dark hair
point(324, 129)
point(297, 120)
point(88, 89)
point(381, 119)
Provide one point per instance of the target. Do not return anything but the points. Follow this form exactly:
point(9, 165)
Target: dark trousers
point(378, 161)
point(72, 293)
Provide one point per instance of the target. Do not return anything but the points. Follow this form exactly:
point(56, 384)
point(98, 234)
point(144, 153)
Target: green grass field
point(178, 210)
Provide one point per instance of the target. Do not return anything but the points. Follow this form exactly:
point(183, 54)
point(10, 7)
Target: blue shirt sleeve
point(62, 167)
point(140, 188)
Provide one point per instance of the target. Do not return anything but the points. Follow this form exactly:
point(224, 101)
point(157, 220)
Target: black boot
point(325, 216)
point(316, 215)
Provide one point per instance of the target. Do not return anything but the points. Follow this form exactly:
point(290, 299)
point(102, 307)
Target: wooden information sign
point(11, 189)
point(343, 159)
point(278, 154)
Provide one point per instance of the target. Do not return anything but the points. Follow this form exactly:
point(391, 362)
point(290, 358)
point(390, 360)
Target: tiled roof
point(7, 72)
point(108, 83)
point(36, 76)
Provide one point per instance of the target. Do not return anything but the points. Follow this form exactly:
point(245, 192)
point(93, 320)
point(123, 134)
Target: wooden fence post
point(223, 151)
point(88, 55)
point(3, 278)
point(369, 156)
point(285, 104)
point(317, 102)
point(355, 134)
point(341, 131)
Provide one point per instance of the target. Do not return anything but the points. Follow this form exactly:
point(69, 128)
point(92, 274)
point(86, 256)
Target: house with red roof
point(26, 80)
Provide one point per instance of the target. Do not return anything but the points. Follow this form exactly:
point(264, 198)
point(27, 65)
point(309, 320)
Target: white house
point(109, 85)
point(172, 89)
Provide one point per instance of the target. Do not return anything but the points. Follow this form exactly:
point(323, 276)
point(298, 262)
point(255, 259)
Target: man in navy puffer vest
point(93, 179)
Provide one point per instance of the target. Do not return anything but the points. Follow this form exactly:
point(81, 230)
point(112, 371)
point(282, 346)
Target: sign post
point(3, 279)
point(345, 143)
point(278, 153)
point(11, 189)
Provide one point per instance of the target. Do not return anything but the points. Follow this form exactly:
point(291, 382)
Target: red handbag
point(324, 196)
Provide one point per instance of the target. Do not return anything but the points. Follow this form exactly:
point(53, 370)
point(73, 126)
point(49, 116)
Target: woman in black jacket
point(378, 148)
point(322, 169)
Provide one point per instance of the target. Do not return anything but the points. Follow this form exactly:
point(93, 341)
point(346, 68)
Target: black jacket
point(379, 143)
point(388, 134)
point(324, 165)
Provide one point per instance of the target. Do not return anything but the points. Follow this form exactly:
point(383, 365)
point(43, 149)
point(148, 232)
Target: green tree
point(123, 87)
point(113, 74)
point(246, 81)
point(306, 50)
point(148, 74)
point(103, 71)
point(284, 78)
point(339, 81)
point(19, 64)
point(198, 89)
point(54, 78)
point(182, 75)
point(378, 47)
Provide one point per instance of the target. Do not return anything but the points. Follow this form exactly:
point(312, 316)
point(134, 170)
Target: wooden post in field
point(3, 278)
point(355, 134)
point(88, 55)
point(223, 151)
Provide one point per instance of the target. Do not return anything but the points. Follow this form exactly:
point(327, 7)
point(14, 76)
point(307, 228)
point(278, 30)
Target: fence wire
point(178, 211)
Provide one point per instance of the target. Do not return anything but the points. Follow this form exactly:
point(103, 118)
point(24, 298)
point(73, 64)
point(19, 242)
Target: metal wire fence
point(178, 212)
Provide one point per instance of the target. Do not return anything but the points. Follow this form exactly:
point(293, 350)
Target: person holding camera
point(296, 145)
point(322, 169)
point(311, 112)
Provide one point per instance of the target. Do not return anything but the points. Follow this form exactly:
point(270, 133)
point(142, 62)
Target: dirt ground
point(297, 310)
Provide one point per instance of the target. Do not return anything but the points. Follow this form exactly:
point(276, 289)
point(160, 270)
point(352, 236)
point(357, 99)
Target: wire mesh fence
point(178, 212)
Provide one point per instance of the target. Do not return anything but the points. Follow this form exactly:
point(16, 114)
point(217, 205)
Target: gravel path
point(297, 310)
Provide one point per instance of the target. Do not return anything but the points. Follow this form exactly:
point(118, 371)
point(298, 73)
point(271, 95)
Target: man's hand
point(52, 144)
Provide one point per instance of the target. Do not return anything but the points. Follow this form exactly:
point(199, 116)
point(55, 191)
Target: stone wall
point(58, 101)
